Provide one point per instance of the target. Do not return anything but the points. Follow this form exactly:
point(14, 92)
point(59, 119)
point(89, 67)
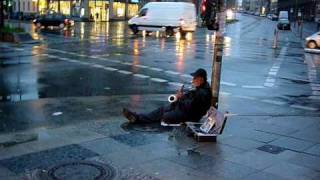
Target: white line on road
point(244, 97)
point(187, 76)
point(267, 84)
point(172, 72)
point(314, 97)
point(127, 63)
point(270, 80)
point(97, 66)
point(110, 69)
point(158, 80)
point(177, 84)
point(225, 93)
point(273, 102)
point(156, 69)
point(141, 76)
point(304, 107)
point(252, 87)
point(124, 72)
point(141, 66)
point(228, 84)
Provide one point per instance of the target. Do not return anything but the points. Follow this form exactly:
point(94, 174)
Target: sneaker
point(131, 116)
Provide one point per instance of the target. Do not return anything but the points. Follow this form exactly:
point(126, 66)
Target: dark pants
point(170, 114)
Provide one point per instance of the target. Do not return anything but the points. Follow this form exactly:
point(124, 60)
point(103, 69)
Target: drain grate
point(272, 149)
point(47, 158)
point(81, 170)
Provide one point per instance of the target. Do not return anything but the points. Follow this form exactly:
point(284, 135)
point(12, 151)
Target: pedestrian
point(97, 16)
point(190, 105)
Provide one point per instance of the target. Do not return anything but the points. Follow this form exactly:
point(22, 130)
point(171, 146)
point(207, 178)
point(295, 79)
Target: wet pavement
point(70, 87)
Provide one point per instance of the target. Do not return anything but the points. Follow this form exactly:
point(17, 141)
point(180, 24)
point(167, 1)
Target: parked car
point(29, 16)
point(272, 17)
point(313, 41)
point(165, 16)
point(53, 19)
point(283, 21)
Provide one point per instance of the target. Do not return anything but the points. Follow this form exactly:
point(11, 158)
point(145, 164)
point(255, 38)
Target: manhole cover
point(76, 170)
point(271, 149)
point(149, 127)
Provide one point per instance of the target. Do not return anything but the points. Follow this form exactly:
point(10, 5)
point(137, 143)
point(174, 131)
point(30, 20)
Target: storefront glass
point(99, 10)
point(64, 7)
point(133, 10)
point(118, 9)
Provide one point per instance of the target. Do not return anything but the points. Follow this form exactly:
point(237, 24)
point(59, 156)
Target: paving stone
point(308, 134)
point(259, 136)
point(255, 159)
point(16, 150)
point(75, 135)
point(133, 139)
point(309, 161)
point(194, 160)
point(217, 149)
point(4, 172)
point(291, 171)
point(263, 176)
point(159, 149)
point(291, 143)
point(227, 169)
point(128, 158)
point(105, 146)
point(17, 138)
point(314, 150)
point(44, 159)
point(165, 169)
point(241, 143)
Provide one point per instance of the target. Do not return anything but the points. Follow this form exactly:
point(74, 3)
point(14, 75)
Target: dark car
point(283, 24)
point(53, 19)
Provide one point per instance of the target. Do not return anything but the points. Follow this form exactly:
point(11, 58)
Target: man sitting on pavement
point(190, 106)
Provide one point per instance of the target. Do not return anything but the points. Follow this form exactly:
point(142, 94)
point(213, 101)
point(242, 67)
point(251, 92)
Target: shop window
point(28, 6)
point(34, 6)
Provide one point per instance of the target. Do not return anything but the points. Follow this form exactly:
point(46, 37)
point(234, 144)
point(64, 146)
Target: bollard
point(275, 39)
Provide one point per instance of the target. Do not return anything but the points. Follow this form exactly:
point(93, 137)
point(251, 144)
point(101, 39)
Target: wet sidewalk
point(253, 146)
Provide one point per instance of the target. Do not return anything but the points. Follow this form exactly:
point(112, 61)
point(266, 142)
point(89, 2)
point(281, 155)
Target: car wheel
point(61, 26)
point(169, 31)
point(312, 45)
point(134, 29)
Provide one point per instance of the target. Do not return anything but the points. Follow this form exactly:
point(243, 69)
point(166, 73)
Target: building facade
point(94, 10)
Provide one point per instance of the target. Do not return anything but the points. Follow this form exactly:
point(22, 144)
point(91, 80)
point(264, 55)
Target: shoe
point(131, 116)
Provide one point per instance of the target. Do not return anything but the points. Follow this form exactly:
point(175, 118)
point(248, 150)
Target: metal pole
point(217, 56)
point(275, 39)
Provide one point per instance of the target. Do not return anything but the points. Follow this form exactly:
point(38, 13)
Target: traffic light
point(209, 10)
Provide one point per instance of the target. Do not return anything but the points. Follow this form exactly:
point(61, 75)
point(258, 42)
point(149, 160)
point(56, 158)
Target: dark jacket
point(195, 103)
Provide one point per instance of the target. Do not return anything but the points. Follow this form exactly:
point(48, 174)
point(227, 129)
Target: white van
point(283, 21)
point(165, 16)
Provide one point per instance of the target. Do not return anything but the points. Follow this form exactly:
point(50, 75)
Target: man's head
point(199, 77)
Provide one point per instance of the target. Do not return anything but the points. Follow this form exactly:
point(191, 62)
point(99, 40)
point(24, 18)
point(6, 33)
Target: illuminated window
point(34, 6)
point(119, 9)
